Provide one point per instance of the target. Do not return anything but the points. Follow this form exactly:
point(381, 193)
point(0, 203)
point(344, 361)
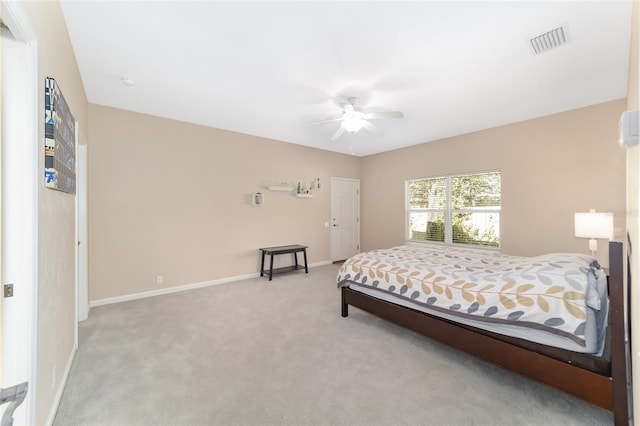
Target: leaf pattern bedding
point(549, 292)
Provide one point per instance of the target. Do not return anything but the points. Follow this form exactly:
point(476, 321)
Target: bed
point(556, 318)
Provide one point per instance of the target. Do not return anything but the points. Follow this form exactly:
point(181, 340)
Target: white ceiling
point(269, 68)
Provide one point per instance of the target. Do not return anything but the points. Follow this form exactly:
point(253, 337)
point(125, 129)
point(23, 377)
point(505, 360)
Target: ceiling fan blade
point(338, 133)
point(380, 115)
point(370, 127)
point(328, 120)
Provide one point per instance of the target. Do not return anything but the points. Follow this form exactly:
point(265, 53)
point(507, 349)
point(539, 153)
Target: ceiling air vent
point(546, 41)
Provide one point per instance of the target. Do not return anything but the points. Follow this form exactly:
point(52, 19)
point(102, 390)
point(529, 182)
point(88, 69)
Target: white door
point(345, 218)
point(18, 199)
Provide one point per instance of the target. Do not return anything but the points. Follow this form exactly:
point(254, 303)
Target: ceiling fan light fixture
point(353, 121)
point(352, 125)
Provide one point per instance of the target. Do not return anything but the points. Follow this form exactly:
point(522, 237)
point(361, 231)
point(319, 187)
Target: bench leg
point(306, 268)
point(271, 268)
point(262, 265)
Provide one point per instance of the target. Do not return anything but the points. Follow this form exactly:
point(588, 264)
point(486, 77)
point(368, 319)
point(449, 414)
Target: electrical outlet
point(53, 378)
point(159, 279)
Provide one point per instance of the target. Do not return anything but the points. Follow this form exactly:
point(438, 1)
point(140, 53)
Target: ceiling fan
point(353, 119)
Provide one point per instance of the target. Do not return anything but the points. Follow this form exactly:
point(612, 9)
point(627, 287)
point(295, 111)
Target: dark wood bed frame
point(602, 381)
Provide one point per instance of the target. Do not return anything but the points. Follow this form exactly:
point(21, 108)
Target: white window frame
point(448, 212)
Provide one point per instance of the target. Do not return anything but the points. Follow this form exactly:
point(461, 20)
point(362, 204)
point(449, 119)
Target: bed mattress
point(558, 299)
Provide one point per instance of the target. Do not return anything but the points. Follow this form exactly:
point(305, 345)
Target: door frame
point(332, 254)
point(82, 255)
point(14, 16)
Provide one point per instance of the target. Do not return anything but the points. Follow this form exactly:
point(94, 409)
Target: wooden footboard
point(600, 388)
point(618, 329)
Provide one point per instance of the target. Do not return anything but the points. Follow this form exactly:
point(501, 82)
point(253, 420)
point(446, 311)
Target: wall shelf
point(304, 195)
point(280, 188)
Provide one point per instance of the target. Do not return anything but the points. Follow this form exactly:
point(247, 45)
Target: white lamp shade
point(594, 225)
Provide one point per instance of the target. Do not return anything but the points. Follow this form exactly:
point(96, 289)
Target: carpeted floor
point(256, 352)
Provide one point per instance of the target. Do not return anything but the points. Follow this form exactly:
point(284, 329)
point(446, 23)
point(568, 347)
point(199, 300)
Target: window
point(460, 209)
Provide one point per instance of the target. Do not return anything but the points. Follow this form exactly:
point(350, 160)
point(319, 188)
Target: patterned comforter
point(549, 292)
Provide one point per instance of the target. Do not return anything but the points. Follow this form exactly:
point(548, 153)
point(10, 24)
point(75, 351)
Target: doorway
point(345, 218)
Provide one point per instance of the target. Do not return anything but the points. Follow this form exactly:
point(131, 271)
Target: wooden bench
point(274, 251)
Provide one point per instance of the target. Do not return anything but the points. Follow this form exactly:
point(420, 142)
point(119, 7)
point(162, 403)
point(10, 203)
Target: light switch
point(8, 290)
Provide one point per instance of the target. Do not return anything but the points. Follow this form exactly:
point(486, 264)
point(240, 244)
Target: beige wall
point(56, 213)
point(177, 205)
point(633, 200)
point(551, 167)
point(170, 198)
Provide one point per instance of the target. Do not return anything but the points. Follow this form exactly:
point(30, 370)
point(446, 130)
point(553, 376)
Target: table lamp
point(594, 225)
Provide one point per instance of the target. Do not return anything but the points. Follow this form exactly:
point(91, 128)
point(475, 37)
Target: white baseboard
point(61, 385)
point(169, 290)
